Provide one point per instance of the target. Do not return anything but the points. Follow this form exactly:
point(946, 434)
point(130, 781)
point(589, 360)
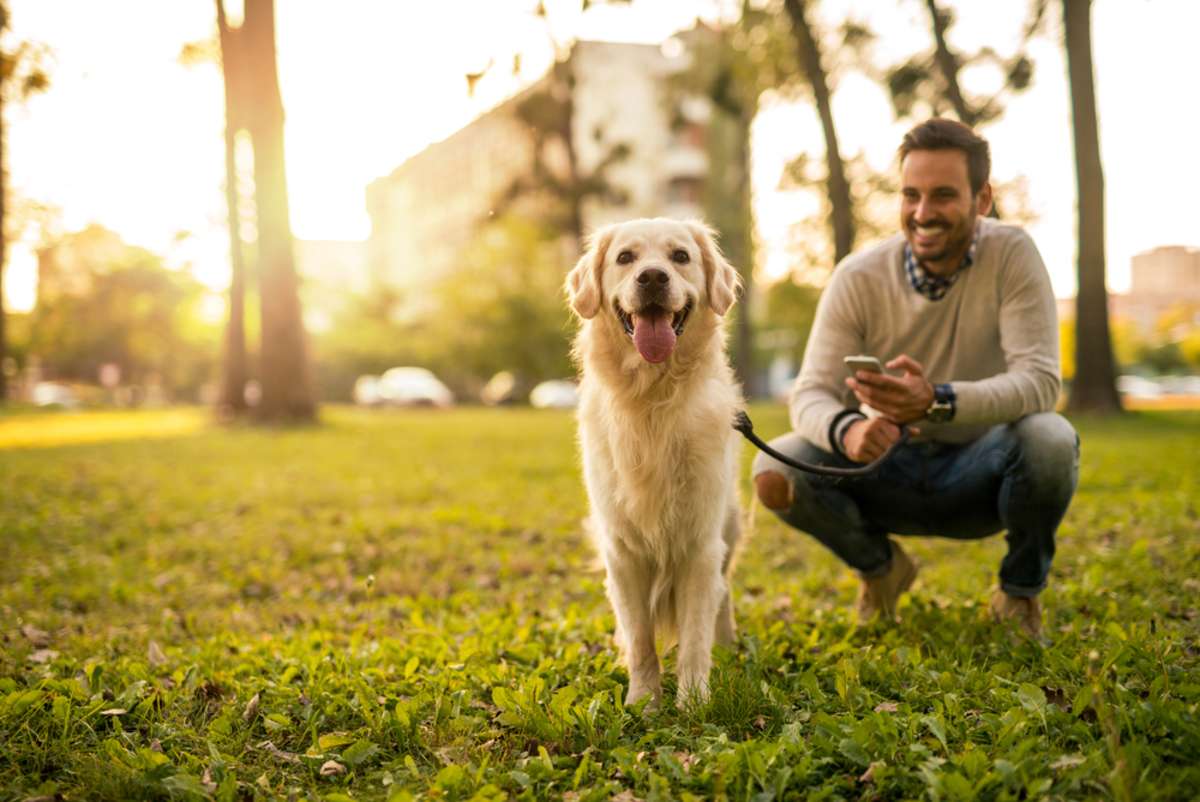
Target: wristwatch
point(943, 407)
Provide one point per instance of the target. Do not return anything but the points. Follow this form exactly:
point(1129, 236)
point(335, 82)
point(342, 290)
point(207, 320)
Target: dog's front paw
point(692, 691)
point(639, 690)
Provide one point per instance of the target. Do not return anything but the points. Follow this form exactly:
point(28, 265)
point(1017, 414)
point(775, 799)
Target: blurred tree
point(101, 301)
point(367, 337)
point(284, 371)
point(841, 210)
point(925, 83)
point(789, 309)
point(1189, 349)
point(22, 73)
point(732, 66)
point(558, 183)
point(1094, 388)
point(503, 309)
point(234, 372)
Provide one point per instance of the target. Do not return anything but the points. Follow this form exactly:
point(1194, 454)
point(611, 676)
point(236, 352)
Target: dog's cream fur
point(660, 458)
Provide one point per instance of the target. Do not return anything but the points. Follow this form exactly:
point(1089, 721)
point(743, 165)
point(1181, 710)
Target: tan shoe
point(879, 594)
point(1025, 612)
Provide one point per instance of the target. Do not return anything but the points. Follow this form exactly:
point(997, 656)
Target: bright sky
point(129, 138)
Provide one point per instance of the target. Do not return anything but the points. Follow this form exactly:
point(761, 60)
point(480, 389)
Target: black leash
point(741, 422)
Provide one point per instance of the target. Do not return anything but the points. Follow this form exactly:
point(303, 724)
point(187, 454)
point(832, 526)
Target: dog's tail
point(662, 611)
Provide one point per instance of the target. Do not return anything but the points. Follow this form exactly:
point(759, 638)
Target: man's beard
point(957, 240)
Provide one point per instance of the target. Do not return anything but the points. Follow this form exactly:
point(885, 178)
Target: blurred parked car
point(555, 394)
point(500, 389)
point(1138, 387)
point(52, 394)
point(1181, 385)
point(366, 391)
point(407, 387)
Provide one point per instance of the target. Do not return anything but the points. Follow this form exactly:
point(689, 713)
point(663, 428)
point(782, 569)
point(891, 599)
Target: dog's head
point(652, 276)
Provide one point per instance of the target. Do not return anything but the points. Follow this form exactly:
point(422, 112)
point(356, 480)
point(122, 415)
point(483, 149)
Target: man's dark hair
point(942, 134)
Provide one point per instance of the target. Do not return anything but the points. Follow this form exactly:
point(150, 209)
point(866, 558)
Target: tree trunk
point(1094, 388)
point(3, 255)
point(842, 211)
point(948, 66)
point(233, 375)
point(287, 393)
point(727, 206)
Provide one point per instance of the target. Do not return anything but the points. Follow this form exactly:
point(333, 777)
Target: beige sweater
point(994, 336)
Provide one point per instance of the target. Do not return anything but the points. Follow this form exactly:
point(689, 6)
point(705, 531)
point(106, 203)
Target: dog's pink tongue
point(653, 336)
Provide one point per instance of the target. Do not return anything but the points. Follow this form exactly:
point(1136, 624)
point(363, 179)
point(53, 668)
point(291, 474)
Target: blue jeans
point(1017, 477)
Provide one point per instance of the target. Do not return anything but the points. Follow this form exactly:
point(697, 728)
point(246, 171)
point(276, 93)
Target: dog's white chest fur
point(664, 475)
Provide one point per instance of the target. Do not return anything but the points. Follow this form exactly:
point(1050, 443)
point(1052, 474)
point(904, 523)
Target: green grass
point(407, 600)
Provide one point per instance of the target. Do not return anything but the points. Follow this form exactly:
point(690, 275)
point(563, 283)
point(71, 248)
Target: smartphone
point(862, 362)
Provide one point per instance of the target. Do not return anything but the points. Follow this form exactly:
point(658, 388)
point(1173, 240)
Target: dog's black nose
point(652, 276)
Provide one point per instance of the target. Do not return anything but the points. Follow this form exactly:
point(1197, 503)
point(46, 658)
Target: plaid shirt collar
point(932, 286)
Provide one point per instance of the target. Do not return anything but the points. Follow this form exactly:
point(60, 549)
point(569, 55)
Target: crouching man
point(961, 309)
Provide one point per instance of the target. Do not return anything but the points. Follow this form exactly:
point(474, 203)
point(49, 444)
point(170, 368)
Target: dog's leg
point(726, 630)
point(698, 598)
point(629, 579)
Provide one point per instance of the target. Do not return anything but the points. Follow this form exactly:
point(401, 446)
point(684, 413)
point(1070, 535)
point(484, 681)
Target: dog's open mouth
point(654, 329)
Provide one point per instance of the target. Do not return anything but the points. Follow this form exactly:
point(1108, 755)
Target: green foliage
point(1171, 346)
point(502, 309)
point(790, 308)
point(403, 606)
point(100, 300)
point(928, 84)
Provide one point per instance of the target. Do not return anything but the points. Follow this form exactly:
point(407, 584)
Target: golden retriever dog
point(660, 456)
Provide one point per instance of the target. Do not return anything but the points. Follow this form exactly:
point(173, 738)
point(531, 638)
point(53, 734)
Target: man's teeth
point(928, 231)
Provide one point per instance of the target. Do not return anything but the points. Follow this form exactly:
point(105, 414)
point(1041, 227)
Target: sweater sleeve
point(1029, 339)
point(820, 394)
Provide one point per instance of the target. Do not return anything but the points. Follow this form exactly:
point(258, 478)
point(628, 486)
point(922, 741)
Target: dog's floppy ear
point(583, 282)
point(722, 280)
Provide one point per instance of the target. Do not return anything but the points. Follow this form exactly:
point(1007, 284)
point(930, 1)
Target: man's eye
point(624, 257)
point(680, 256)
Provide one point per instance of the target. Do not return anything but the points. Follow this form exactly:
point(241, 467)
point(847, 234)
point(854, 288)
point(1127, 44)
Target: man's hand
point(866, 440)
point(900, 399)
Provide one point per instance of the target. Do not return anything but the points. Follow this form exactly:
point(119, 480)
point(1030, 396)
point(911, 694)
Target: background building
point(1162, 279)
point(605, 115)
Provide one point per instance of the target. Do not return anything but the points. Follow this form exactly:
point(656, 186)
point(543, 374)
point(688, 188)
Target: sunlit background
point(129, 133)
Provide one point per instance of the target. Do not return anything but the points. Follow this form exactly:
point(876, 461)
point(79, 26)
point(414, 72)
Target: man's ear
point(983, 200)
point(583, 282)
point(722, 280)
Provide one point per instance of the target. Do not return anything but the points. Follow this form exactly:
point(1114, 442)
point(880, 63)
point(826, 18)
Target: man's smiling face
point(937, 207)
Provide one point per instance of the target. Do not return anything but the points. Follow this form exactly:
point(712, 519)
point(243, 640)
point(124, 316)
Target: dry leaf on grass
point(42, 656)
point(332, 767)
point(251, 708)
point(275, 752)
point(155, 654)
point(38, 637)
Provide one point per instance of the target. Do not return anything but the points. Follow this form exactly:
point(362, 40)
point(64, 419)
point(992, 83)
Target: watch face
point(939, 412)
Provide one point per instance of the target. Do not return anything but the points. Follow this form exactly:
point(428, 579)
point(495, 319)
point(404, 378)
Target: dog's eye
point(624, 257)
point(680, 256)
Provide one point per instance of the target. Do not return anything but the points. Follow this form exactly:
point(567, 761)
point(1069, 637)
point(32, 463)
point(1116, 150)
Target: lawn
point(402, 606)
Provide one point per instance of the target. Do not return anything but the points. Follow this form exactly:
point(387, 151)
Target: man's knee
point(775, 484)
point(774, 490)
point(1049, 444)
